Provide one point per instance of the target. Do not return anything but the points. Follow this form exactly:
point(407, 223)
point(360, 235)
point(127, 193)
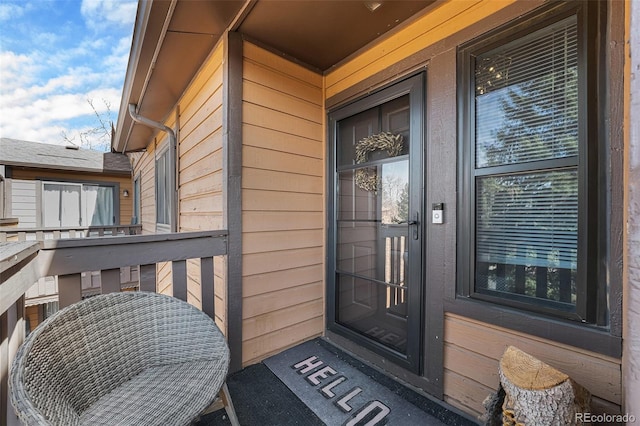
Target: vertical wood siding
point(283, 205)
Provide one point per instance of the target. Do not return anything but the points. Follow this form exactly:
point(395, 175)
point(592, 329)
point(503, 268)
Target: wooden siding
point(200, 193)
point(443, 20)
point(32, 314)
point(200, 149)
point(632, 211)
point(23, 203)
point(473, 349)
point(198, 114)
point(283, 204)
point(125, 182)
point(144, 166)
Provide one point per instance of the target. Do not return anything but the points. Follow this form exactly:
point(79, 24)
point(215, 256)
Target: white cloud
point(44, 88)
point(10, 11)
point(101, 13)
point(116, 62)
point(16, 70)
point(45, 118)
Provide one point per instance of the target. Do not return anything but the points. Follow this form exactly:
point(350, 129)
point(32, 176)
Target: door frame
point(415, 86)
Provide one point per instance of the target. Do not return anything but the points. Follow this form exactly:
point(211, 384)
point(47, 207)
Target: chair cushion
point(165, 395)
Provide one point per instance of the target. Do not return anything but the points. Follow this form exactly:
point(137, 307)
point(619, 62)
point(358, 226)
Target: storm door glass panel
point(61, 205)
point(98, 205)
point(372, 212)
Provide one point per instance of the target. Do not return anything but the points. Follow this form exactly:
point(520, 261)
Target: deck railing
point(24, 263)
point(42, 234)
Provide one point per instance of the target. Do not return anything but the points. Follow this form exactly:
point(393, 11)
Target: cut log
point(538, 394)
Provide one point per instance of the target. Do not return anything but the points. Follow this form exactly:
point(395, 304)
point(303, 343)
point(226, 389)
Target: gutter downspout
point(172, 157)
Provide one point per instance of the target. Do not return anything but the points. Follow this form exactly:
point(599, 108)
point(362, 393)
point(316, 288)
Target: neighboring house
point(52, 186)
point(52, 191)
point(422, 182)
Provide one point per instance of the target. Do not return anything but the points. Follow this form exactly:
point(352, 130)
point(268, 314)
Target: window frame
point(165, 152)
point(115, 190)
point(591, 286)
point(137, 199)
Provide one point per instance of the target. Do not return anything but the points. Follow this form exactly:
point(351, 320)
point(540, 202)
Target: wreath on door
point(367, 178)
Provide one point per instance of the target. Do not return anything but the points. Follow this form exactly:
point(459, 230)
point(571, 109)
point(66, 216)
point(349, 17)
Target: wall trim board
point(421, 58)
point(232, 184)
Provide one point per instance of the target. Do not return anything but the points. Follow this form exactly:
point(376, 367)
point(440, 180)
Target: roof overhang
point(172, 39)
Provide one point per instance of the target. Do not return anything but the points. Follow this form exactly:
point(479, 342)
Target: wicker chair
point(130, 358)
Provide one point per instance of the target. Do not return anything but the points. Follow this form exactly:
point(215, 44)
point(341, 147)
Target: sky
point(57, 56)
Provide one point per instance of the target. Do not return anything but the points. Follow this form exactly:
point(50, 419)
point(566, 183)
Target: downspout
point(144, 11)
point(172, 157)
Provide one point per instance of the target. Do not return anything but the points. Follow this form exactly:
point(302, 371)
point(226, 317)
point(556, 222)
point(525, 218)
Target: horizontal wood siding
point(200, 168)
point(125, 182)
point(144, 166)
point(283, 205)
point(473, 349)
point(443, 20)
point(200, 149)
point(23, 204)
point(198, 114)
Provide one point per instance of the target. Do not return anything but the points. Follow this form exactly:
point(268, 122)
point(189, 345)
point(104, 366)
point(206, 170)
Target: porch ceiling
point(172, 39)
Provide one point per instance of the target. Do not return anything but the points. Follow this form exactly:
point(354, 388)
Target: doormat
point(340, 394)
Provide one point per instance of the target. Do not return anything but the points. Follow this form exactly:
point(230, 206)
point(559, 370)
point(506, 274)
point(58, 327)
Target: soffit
point(194, 27)
point(323, 33)
point(318, 33)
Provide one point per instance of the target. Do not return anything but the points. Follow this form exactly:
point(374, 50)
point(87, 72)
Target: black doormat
point(262, 398)
point(339, 392)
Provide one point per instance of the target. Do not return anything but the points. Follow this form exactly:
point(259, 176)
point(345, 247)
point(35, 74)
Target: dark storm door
point(375, 222)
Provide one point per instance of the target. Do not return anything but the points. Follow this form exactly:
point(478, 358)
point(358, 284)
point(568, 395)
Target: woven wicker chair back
point(91, 348)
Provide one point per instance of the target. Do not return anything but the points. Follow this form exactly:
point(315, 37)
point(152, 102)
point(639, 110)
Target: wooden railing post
point(208, 288)
point(179, 276)
point(147, 278)
point(24, 263)
point(110, 281)
point(69, 289)
point(11, 337)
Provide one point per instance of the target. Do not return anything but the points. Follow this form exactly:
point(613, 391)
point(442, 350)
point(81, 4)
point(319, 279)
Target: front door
point(375, 228)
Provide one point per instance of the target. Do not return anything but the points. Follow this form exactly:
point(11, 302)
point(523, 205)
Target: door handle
point(416, 226)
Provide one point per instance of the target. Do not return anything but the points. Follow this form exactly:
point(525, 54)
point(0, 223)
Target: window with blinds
point(530, 213)
point(526, 161)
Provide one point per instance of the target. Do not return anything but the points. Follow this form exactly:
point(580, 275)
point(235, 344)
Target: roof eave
point(150, 18)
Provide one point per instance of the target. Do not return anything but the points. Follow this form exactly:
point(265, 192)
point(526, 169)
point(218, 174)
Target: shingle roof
point(15, 152)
